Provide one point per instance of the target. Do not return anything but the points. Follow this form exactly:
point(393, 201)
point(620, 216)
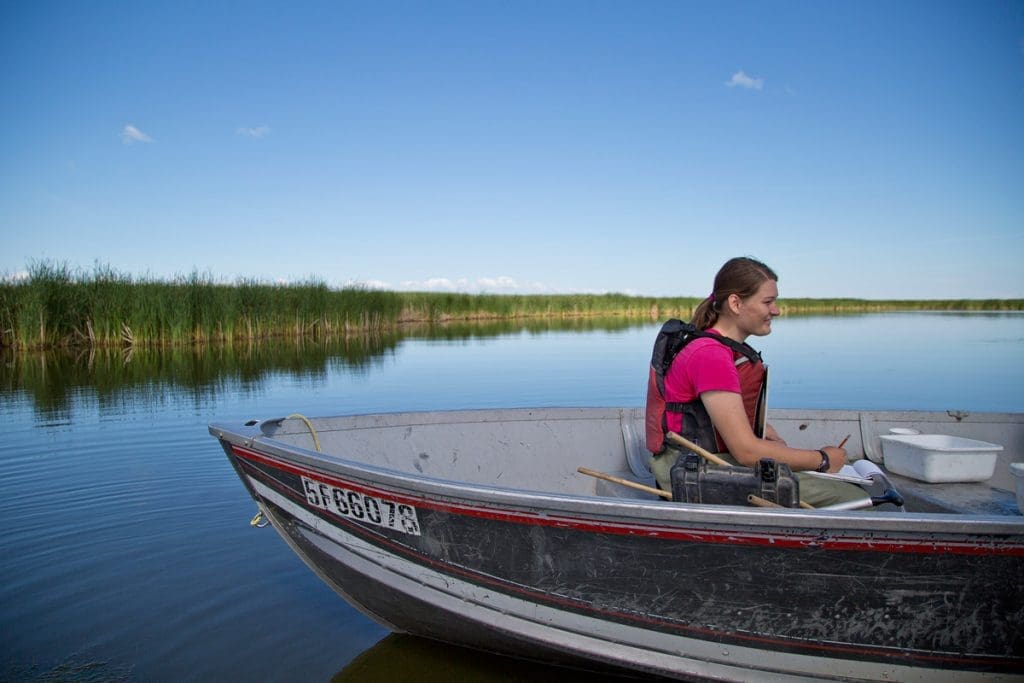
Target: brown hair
point(741, 275)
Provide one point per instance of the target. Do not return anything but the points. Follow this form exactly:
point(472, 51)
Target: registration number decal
point(361, 507)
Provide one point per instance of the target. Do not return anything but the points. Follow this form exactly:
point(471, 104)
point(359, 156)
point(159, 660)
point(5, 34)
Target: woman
point(714, 391)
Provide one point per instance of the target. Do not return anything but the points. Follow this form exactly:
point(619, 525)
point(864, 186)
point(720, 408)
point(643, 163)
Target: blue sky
point(870, 149)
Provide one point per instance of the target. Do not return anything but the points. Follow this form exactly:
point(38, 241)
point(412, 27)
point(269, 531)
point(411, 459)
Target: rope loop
point(316, 439)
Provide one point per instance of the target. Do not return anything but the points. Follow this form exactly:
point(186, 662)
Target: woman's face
point(756, 312)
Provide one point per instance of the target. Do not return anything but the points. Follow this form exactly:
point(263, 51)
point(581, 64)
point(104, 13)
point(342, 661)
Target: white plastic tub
point(1017, 469)
point(939, 458)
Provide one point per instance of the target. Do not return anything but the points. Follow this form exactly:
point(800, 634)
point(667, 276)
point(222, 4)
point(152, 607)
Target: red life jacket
point(697, 425)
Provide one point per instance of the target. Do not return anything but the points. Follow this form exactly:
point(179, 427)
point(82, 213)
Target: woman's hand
point(836, 458)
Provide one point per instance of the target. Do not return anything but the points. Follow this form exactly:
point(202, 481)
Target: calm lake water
point(127, 552)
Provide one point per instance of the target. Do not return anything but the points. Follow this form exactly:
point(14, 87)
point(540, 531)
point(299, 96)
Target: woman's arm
point(772, 435)
point(729, 418)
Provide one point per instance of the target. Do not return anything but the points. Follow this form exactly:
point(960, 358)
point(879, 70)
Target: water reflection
point(408, 658)
point(128, 553)
point(52, 379)
point(444, 363)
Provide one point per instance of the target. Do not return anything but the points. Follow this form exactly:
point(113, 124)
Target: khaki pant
point(814, 491)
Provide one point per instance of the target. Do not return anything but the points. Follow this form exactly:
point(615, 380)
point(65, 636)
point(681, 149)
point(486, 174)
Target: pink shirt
point(703, 365)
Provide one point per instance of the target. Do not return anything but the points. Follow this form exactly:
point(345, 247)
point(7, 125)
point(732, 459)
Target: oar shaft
point(686, 443)
point(624, 482)
point(762, 502)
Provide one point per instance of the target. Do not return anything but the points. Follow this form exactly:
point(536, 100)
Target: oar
point(686, 443)
point(707, 455)
point(624, 482)
point(762, 502)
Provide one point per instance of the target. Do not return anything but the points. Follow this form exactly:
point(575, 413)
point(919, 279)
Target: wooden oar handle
point(762, 502)
point(689, 445)
point(624, 482)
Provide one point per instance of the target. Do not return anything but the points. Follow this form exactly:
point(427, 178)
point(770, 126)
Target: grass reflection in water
point(401, 657)
point(53, 377)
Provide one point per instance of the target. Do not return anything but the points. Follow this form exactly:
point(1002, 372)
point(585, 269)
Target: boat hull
point(669, 590)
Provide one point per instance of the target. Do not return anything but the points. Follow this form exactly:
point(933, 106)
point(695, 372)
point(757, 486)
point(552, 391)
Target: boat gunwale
point(618, 510)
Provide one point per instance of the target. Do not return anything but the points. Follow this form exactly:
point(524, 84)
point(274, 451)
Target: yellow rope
point(316, 440)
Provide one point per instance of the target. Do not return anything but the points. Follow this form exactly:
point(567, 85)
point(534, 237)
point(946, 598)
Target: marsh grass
point(56, 306)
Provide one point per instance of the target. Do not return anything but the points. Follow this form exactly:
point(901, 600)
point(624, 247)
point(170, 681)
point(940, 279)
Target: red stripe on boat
point(732, 536)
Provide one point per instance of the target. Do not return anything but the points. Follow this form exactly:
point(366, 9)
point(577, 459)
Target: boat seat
point(637, 456)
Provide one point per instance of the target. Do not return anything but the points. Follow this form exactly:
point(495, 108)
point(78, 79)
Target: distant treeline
point(55, 306)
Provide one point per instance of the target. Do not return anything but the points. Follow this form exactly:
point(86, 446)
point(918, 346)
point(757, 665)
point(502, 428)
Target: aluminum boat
point(478, 528)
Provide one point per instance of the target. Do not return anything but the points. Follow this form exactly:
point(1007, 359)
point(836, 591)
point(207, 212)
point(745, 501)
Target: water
point(127, 552)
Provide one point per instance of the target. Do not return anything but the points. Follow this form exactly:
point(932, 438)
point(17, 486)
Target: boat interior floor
point(951, 498)
point(958, 498)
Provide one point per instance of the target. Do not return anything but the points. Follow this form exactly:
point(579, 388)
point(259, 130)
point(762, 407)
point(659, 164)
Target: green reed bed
point(802, 306)
point(433, 306)
point(56, 306)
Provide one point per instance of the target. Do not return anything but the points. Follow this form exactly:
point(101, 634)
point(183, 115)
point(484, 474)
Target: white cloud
point(15, 277)
point(742, 80)
point(367, 284)
point(257, 132)
point(440, 283)
point(130, 135)
point(501, 284)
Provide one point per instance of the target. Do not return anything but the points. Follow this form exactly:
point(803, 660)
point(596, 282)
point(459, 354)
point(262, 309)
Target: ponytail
point(705, 315)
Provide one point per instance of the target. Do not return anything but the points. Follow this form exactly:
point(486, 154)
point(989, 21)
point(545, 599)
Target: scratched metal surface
point(852, 586)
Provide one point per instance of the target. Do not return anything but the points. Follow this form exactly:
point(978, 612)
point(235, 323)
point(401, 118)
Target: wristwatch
point(825, 462)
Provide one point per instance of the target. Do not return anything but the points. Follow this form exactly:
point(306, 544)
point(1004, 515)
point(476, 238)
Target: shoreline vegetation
point(56, 307)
